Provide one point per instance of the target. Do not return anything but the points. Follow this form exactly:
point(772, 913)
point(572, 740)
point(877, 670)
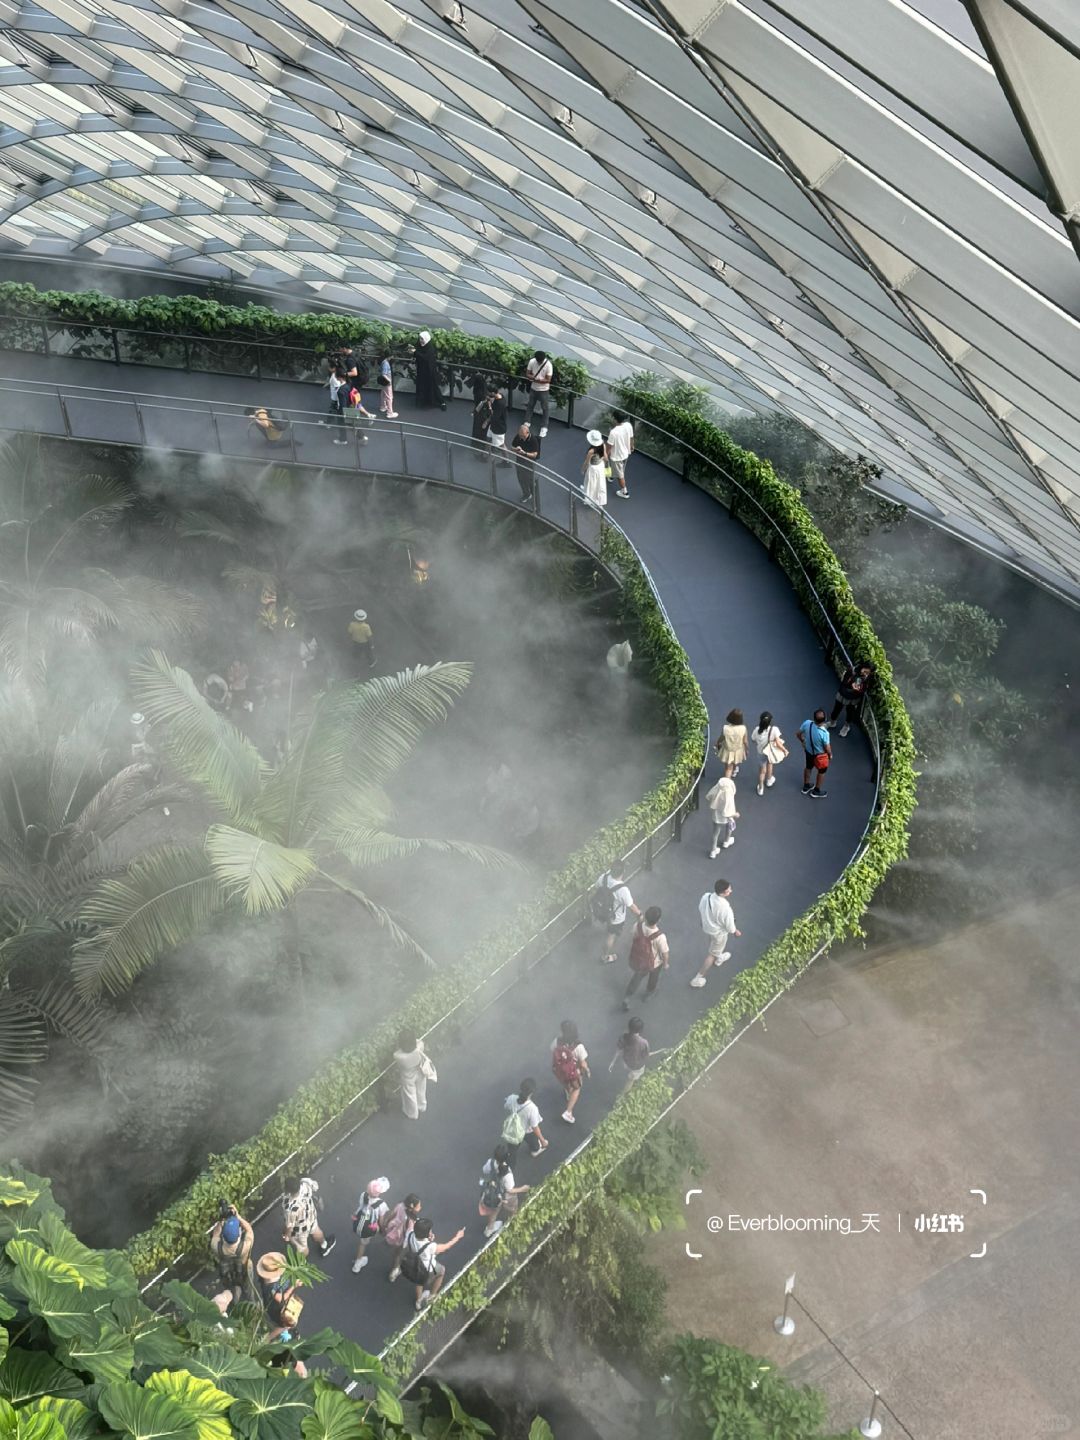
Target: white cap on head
point(359, 614)
point(379, 1186)
point(138, 718)
point(425, 337)
point(594, 437)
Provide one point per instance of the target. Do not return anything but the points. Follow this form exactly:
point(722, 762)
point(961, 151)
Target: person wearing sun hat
point(230, 1244)
point(594, 470)
point(370, 1219)
point(363, 640)
point(277, 1290)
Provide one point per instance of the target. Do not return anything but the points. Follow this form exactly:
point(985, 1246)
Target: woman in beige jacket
point(731, 745)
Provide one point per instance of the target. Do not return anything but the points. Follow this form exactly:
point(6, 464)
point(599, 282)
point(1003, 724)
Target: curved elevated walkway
point(750, 645)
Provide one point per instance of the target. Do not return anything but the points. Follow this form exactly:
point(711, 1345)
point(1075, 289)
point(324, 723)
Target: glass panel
point(139, 347)
point(81, 342)
point(224, 357)
point(19, 334)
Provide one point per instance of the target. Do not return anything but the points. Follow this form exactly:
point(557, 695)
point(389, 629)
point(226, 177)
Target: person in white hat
point(370, 1219)
point(428, 394)
point(277, 1294)
point(594, 469)
point(363, 641)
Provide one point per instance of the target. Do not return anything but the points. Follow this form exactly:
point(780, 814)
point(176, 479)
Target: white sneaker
point(341, 442)
point(844, 730)
point(392, 414)
point(424, 1301)
point(734, 772)
point(725, 956)
point(393, 1276)
point(543, 432)
point(492, 1229)
point(697, 982)
point(728, 843)
point(770, 782)
point(609, 959)
point(713, 853)
point(760, 789)
point(358, 1265)
point(568, 1116)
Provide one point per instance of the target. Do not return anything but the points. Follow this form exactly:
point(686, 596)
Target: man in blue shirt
point(815, 742)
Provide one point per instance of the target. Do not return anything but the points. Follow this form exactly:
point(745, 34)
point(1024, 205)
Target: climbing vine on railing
point(182, 1226)
point(834, 916)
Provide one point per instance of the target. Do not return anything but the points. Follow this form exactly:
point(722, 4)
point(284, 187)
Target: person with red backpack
point(649, 955)
point(569, 1063)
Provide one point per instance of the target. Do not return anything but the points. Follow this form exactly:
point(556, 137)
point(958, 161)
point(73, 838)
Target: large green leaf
point(190, 1303)
point(78, 1420)
point(335, 1417)
point(270, 1408)
point(218, 1363)
point(145, 1415)
point(199, 1398)
point(16, 1192)
point(67, 1308)
point(540, 1429)
point(28, 1425)
point(109, 1355)
point(3, 1342)
point(30, 1374)
point(261, 874)
point(88, 1266)
point(29, 1256)
point(204, 746)
point(161, 901)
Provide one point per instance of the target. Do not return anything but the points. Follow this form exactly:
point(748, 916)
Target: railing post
point(449, 461)
point(63, 411)
point(493, 473)
point(648, 852)
point(404, 452)
point(139, 418)
point(187, 352)
point(217, 432)
point(676, 824)
point(570, 412)
point(573, 515)
point(733, 507)
point(115, 346)
point(45, 337)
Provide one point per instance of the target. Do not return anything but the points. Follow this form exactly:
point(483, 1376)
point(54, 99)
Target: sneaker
point(735, 772)
point(625, 1006)
point(493, 1229)
point(341, 442)
point(328, 1244)
point(358, 1265)
point(806, 789)
point(543, 432)
point(725, 956)
point(728, 843)
point(760, 788)
point(394, 1274)
point(844, 729)
point(819, 794)
point(567, 1115)
point(697, 982)
point(770, 782)
point(609, 959)
point(623, 494)
point(713, 853)
point(391, 414)
point(424, 1301)
point(363, 439)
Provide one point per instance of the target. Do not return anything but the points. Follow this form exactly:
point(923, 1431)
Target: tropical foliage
point(246, 339)
point(319, 815)
point(50, 597)
point(82, 1356)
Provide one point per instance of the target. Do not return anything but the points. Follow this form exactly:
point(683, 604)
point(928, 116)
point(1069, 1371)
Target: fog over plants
point(203, 903)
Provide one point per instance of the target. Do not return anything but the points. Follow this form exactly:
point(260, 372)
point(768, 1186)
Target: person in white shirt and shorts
point(620, 446)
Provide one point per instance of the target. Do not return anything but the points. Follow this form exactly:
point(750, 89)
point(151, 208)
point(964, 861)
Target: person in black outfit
point(854, 684)
point(481, 416)
point(497, 422)
point(428, 394)
point(526, 446)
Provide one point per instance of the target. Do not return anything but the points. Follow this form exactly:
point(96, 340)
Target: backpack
point(363, 1224)
point(491, 1196)
point(643, 957)
point(602, 901)
point(412, 1265)
point(565, 1066)
point(348, 395)
point(363, 370)
point(514, 1127)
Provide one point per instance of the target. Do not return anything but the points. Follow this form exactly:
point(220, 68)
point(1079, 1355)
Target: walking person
point(281, 1303)
point(721, 802)
point(569, 1064)
point(230, 1244)
point(818, 752)
point(718, 923)
point(372, 1213)
point(420, 1261)
point(620, 446)
point(769, 744)
point(428, 393)
point(352, 407)
point(498, 1193)
point(523, 1121)
point(633, 1050)
point(539, 372)
point(398, 1228)
point(300, 1205)
point(481, 415)
point(610, 901)
point(497, 419)
point(363, 642)
point(336, 382)
point(385, 377)
point(732, 743)
point(850, 695)
point(526, 447)
point(414, 1070)
point(649, 955)
point(594, 469)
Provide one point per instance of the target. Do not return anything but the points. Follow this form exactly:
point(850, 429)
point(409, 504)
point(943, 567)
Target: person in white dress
point(593, 470)
point(721, 801)
point(769, 744)
point(414, 1069)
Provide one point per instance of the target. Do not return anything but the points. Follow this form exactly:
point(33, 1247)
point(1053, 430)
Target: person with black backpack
point(611, 899)
point(420, 1261)
point(498, 1193)
point(569, 1063)
point(370, 1218)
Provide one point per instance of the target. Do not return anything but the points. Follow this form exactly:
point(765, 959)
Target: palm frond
point(365, 847)
point(385, 920)
point(249, 577)
point(263, 875)
point(204, 525)
point(358, 734)
point(203, 745)
point(77, 753)
point(20, 478)
point(81, 1021)
point(22, 1044)
point(144, 605)
point(101, 813)
point(22, 645)
point(158, 903)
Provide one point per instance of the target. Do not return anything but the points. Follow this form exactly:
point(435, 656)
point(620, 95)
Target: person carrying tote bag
point(771, 749)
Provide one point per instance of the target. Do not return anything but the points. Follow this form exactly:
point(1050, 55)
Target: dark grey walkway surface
point(750, 646)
